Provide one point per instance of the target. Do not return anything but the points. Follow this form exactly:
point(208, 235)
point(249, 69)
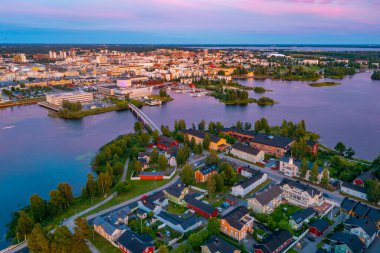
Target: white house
point(248, 185)
point(247, 153)
point(291, 168)
point(300, 194)
point(354, 190)
point(365, 229)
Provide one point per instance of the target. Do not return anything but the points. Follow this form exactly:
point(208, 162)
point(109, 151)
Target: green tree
point(163, 249)
point(163, 93)
point(137, 166)
point(206, 142)
point(183, 248)
point(211, 186)
point(38, 207)
point(213, 226)
point(264, 125)
point(314, 173)
point(165, 131)
point(239, 125)
point(104, 182)
point(350, 152)
point(144, 139)
point(154, 156)
point(187, 175)
point(81, 229)
point(373, 191)
point(202, 125)
point(258, 126)
point(182, 124)
point(304, 168)
point(228, 173)
point(247, 126)
point(155, 135)
point(212, 158)
point(37, 241)
point(61, 240)
point(123, 187)
point(24, 225)
point(139, 126)
point(219, 182)
point(57, 201)
point(340, 148)
point(181, 157)
point(66, 192)
point(91, 185)
point(325, 178)
point(162, 162)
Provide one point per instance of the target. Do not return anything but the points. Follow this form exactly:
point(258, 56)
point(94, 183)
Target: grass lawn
point(176, 209)
point(102, 244)
point(259, 187)
point(279, 213)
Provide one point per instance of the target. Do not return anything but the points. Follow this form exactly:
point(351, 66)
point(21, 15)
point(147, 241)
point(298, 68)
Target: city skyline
point(199, 21)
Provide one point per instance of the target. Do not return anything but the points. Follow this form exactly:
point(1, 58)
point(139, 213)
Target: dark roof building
point(318, 227)
point(272, 140)
point(347, 205)
point(130, 242)
point(245, 148)
point(276, 242)
point(218, 245)
point(268, 195)
point(201, 208)
point(350, 240)
point(300, 216)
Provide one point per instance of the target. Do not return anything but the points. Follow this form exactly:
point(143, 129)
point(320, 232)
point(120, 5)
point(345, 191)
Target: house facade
point(266, 201)
point(291, 168)
point(249, 184)
point(354, 190)
point(106, 230)
point(300, 194)
point(247, 153)
point(237, 223)
point(216, 143)
point(203, 174)
point(272, 144)
point(274, 243)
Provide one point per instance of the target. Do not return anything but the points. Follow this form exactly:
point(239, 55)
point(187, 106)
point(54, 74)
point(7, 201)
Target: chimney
point(291, 160)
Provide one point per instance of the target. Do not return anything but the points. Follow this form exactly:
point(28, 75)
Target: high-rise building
point(52, 55)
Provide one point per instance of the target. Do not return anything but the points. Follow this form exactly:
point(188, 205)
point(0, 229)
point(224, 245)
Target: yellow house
point(216, 143)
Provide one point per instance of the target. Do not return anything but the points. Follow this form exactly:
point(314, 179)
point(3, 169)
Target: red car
point(160, 235)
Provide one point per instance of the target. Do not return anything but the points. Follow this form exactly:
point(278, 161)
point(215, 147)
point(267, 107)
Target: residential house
point(171, 155)
point(216, 143)
point(203, 174)
point(347, 206)
point(243, 188)
point(360, 180)
point(130, 242)
point(154, 203)
point(365, 229)
point(247, 153)
point(143, 155)
point(318, 227)
point(201, 208)
point(166, 143)
point(346, 243)
point(176, 193)
point(374, 215)
point(106, 230)
point(119, 217)
point(218, 245)
point(141, 213)
point(360, 210)
point(301, 217)
point(237, 223)
point(354, 190)
point(274, 243)
point(291, 168)
point(272, 144)
point(182, 224)
point(300, 194)
point(313, 146)
point(267, 200)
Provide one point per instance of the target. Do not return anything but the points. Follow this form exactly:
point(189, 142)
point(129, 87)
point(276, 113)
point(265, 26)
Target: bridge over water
point(145, 119)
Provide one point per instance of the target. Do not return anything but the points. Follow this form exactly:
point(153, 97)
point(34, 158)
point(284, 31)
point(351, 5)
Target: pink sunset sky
point(194, 21)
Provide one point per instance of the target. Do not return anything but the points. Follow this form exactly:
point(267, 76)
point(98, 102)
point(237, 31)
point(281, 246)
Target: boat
point(154, 102)
point(8, 127)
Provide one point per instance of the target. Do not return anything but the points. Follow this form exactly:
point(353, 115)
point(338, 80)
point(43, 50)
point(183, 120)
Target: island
point(323, 84)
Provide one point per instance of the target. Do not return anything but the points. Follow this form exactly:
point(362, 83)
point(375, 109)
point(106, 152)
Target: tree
point(182, 124)
point(350, 152)
point(212, 158)
point(187, 175)
point(66, 192)
point(138, 126)
point(211, 127)
point(325, 178)
point(154, 156)
point(91, 185)
point(144, 139)
point(264, 125)
point(219, 182)
point(211, 186)
point(122, 187)
point(239, 125)
point(104, 182)
point(165, 131)
point(61, 240)
point(163, 249)
point(202, 125)
point(155, 135)
point(181, 157)
point(373, 191)
point(81, 228)
point(37, 241)
point(247, 126)
point(24, 225)
point(163, 93)
point(162, 162)
point(340, 148)
point(213, 226)
point(228, 173)
point(38, 207)
point(314, 173)
point(206, 141)
point(137, 166)
point(257, 126)
point(57, 201)
point(183, 248)
point(304, 168)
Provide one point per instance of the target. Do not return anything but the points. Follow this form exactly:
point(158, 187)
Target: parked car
point(167, 233)
point(160, 235)
point(310, 237)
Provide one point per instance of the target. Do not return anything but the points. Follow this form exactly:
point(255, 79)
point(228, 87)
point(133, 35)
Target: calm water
point(40, 151)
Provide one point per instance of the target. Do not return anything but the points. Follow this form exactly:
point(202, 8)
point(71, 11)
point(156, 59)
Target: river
point(37, 151)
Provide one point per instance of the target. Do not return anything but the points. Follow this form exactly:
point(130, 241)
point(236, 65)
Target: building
point(106, 230)
point(237, 223)
point(318, 227)
point(20, 58)
point(247, 153)
point(267, 200)
point(182, 224)
point(177, 193)
point(354, 190)
point(360, 180)
point(134, 91)
point(291, 168)
point(130, 242)
point(300, 194)
point(301, 217)
point(346, 243)
point(272, 144)
point(364, 229)
point(73, 97)
point(203, 174)
point(166, 143)
point(201, 208)
point(347, 206)
point(216, 143)
point(218, 245)
point(240, 134)
point(107, 90)
point(243, 188)
point(274, 243)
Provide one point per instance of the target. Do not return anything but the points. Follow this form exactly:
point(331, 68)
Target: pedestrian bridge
point(144, 119)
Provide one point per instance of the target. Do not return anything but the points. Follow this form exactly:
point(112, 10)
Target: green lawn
point(279, 213)
point(259, 187)
point(176, 209)
point(102, 244)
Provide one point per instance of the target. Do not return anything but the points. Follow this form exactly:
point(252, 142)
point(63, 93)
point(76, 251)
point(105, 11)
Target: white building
point(247, 153)
point(248, 185)
point(73, 97)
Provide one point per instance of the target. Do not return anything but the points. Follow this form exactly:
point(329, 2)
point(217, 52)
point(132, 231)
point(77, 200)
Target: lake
point(37, 151)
